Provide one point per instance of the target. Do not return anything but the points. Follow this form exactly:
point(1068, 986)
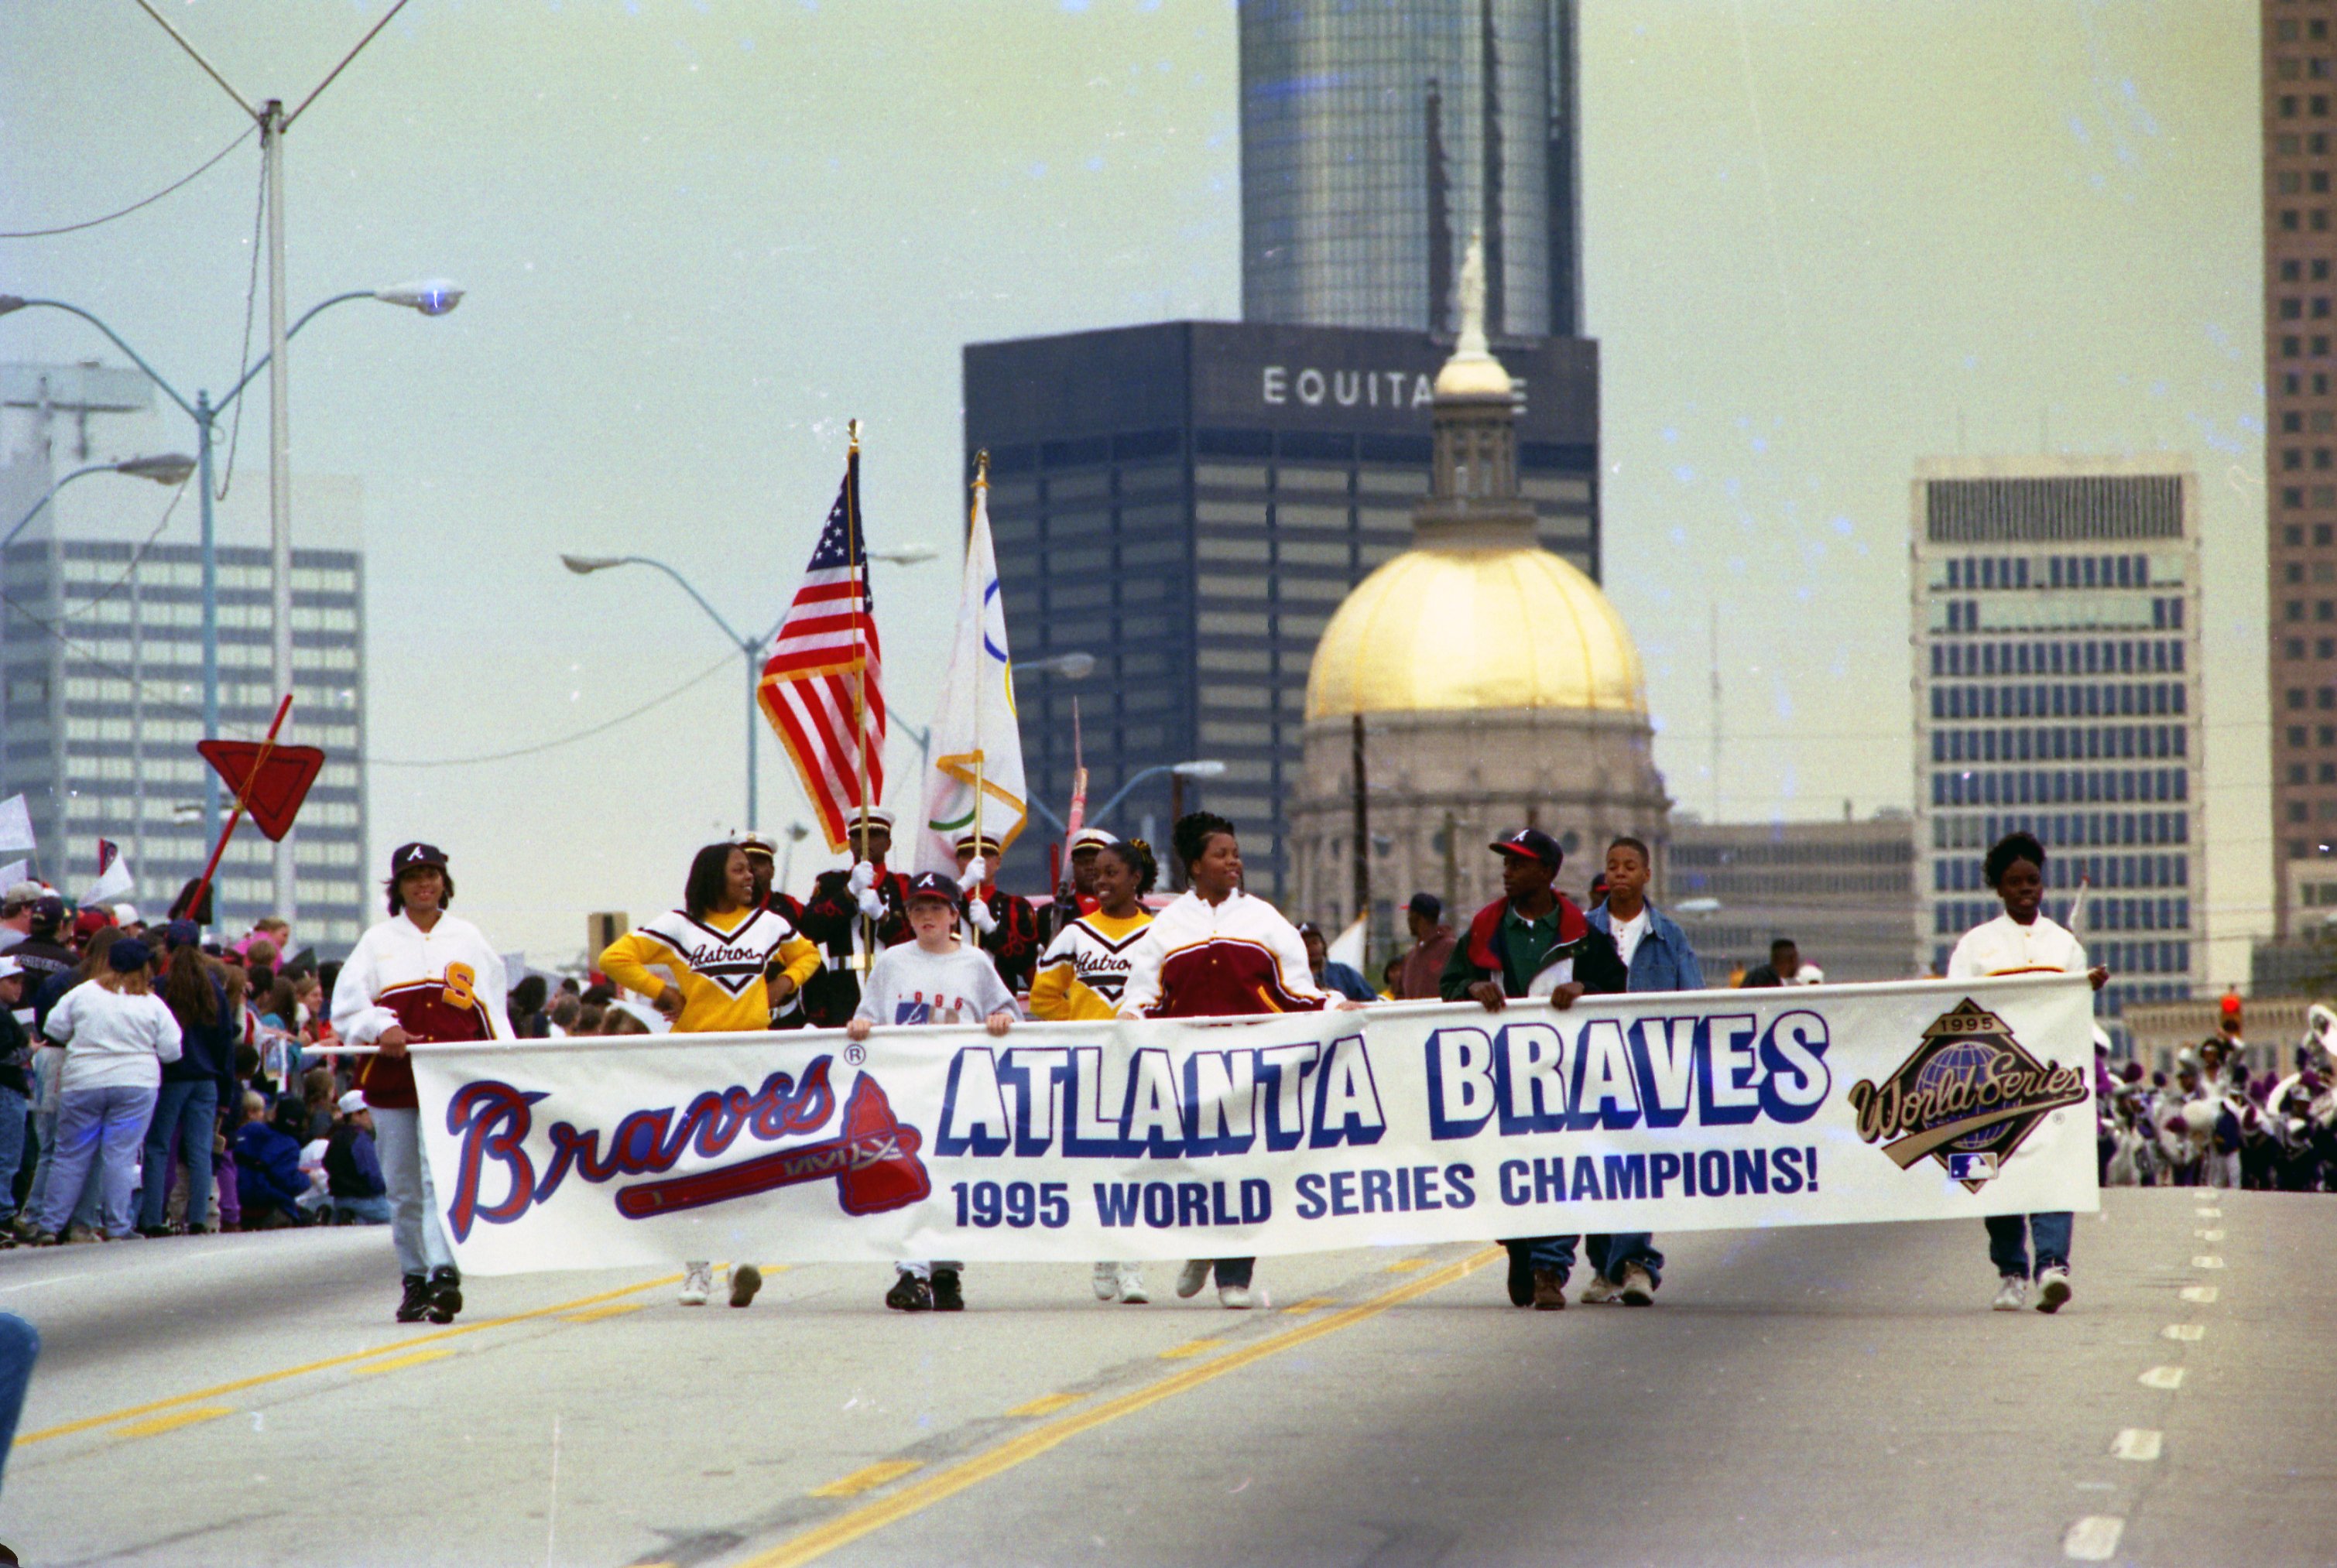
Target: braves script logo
point(873, 1158)
point(1968, 1097)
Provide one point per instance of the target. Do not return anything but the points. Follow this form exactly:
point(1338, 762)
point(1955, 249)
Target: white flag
point(976, 735)
point(16, 825)
point(15, 872)
point(114, 878)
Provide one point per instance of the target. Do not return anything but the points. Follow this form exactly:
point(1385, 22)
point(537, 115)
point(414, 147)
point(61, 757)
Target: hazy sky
point(1823, 239)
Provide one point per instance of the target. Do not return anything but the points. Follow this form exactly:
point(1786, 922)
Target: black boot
point(416, 1303)
point(947, 1298)
point(446, 1293)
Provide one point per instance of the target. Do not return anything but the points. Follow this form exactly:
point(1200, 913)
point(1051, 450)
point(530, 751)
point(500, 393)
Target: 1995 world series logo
point(1969, 1095)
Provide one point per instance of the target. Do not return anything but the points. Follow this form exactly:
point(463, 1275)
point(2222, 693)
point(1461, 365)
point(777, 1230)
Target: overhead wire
point(149, 201)
point(250, 300)
point(542, 746)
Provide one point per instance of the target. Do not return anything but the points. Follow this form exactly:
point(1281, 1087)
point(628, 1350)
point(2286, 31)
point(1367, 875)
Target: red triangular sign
point(275, 795)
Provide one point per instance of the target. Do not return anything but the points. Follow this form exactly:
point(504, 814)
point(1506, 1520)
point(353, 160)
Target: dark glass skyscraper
point(1188, 502)
point(1377, 134)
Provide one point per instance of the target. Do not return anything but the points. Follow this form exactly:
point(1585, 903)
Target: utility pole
point(279, 460)
point(1359, 805)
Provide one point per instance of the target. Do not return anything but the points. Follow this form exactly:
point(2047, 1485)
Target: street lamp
point(433, 298)
point(904, 554)
point(170, 468)
point(1069, 666)
point(1206, 767)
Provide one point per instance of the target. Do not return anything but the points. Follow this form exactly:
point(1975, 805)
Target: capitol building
point(1481, 682)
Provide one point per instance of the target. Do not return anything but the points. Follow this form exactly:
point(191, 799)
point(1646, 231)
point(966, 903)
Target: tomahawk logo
point(872, 1158)
point(1969, 1096)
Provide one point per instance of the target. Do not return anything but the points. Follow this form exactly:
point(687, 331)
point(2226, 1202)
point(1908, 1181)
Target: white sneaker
point(2052, 1289)
point(1129, 1286)
point(1106, 1281)
point(1234, 1298)
point(1638, 1289)
point(2012, 1293)
point(1601, 1291)
point(1193, 1276)
point(697, 1284)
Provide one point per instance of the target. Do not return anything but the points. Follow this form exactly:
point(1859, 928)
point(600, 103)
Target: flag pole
point(251, 782)
point(981, 632)
point(859, 661)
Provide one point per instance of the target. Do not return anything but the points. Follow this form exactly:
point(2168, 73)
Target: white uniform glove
point(978, 911)
point(871, 904)
point(977, 872)
point(864, 877)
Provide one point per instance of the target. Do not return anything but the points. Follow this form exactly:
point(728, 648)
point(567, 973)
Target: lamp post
point(170, 468)
point(433, 297)
point(752, 648)
point(1206, 767)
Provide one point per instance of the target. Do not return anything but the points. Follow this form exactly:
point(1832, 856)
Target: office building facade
point(1843, 892)
point(1189, 502)
point(101, 676)
point(1377, 136)
point(2299, 61)
point(2056, 638)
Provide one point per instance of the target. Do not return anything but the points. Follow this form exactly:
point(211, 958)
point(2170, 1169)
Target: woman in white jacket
point(117, 1034)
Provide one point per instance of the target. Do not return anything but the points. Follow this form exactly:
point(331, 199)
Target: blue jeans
point(2009, 1236)
point(415, 1231)
point(19, 1347)
point(373, 1211)
point(49, 1064)
point(188, 1113)
point(1608, 1256)
point(12, 1148)
point(100, 1127)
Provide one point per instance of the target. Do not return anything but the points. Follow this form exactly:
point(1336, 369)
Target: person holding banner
point(421, 975)
point(717, 947)
point(1217, 952)
point(1083, 975)
point(1533, 942)
point(2023, 940)
point(932, 979)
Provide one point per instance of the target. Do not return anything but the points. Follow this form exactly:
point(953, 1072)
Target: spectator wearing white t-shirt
point(117, 1034)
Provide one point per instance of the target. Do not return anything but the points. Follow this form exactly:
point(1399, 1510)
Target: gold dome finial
point(1473, 370)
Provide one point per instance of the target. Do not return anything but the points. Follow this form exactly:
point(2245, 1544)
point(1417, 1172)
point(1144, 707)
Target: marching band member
point(1218, 952)
point(717, 947)
point(854, 915)
point(1083, 974)
point(1005, 925)
point(422, 975)
point(2023, 942)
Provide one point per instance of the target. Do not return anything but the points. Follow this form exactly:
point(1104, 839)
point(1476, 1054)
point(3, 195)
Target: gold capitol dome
point(1476, 616)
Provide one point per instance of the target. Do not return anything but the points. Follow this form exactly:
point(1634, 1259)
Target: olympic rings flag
point(1403, 1124)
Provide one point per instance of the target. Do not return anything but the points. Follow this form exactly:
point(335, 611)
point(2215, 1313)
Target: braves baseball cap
point(405, 857)
point(1534, 844)
point(932, 885)
point(181, 934)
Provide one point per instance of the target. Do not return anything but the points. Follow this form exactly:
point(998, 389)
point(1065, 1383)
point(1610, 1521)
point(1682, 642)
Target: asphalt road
point(1818, 1396)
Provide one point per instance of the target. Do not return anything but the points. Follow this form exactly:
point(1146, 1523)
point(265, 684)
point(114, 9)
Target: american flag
point(822, 687)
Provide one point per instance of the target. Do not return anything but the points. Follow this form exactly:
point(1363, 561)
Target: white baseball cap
point(125, 914)
point(353, 1101)
point(9, 966)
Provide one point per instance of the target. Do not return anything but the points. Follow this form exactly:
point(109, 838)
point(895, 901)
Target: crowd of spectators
point(153, 1084)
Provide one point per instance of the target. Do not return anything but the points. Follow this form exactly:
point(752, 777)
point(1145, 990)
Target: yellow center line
point(594, 1314)
point(173, 1422)
point(263, 1379)
point(1190, 1348)
point(868, 1479)
point(417, 1358)
point(1047, 1404)
point(870, 1517)
point(1312, 1304)
point(1407, 1265)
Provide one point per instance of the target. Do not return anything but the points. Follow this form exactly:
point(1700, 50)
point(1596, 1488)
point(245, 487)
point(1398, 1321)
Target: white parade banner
point(1406, 1124)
